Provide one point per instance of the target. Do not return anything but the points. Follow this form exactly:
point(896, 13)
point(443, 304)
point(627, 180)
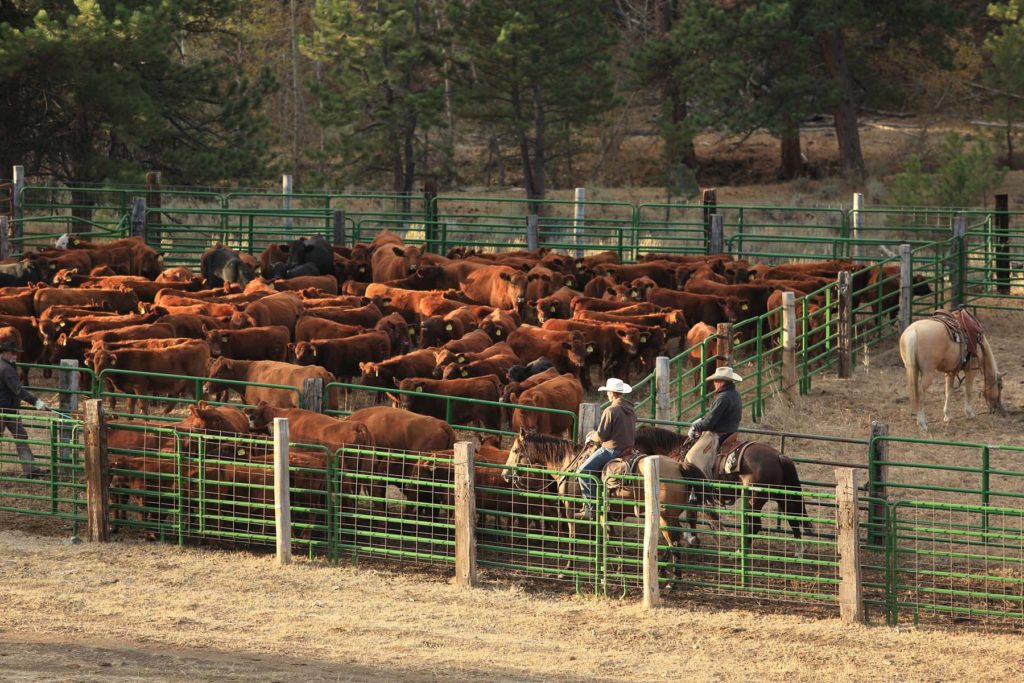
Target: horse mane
point(658, 439)
point(551, 448)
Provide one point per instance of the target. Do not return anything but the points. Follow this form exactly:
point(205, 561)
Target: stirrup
point(585, 513)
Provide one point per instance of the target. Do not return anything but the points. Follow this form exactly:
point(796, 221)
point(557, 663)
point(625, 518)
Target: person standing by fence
point(11, 396)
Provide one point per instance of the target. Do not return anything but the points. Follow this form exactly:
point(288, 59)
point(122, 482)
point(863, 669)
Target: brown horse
point(559, 456)
point(926, 348)
point(762, 467)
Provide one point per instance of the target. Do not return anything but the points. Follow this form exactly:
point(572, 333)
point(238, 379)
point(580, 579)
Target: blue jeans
point(593, 465)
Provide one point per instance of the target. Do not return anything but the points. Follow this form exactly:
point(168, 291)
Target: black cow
point(518, 373)
point(312, 251)
point(23, 272)
point(220, 265)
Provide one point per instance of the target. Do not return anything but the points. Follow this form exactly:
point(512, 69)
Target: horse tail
point(908, 345)
point(794, 502)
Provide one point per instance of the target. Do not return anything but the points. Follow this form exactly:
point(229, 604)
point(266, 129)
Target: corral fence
point(884, 560)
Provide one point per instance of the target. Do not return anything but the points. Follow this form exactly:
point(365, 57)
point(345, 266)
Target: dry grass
point(163, 613)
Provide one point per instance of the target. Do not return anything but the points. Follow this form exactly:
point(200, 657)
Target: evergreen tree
point(1006, 77)
point(534, 67)
point(382, 89)
point(97, 90)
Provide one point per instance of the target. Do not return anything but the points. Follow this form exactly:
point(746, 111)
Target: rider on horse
point(615, 433)
point(721, 421)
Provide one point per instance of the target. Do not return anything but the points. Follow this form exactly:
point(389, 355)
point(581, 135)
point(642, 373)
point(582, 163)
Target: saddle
point(729, 456)
point(964, 329)
point(622, 466)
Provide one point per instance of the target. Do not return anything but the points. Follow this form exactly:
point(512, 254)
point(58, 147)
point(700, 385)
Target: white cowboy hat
point(617, 385)
point(725, 373)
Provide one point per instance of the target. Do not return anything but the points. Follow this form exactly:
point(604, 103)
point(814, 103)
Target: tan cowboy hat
point(725, 373)
point(617, 385)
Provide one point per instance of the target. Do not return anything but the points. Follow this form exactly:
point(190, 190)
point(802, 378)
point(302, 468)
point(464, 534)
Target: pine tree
point(382, 90)
point(533, 67)
point(95, 91)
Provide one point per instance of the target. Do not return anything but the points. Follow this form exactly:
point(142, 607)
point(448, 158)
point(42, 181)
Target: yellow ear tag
point(465, 373)
point(412, 331)
point(419, 389)
point(568, 282)
point(223, 339)
point(448, 327)
point(314, 352)
point(362, 269)
point(460, 358)
point(554, 309)
point(241, 451)
point(590, 349)
point(643, 340)
point(744, 307)
point(497, 332)
point(62, 324)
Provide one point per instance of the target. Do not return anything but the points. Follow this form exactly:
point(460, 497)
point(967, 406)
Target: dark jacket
point(11, 391)
point(725, 413)
point(617, 429)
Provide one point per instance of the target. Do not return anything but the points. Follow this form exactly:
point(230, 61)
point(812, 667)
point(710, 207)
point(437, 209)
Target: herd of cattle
point(524, 328)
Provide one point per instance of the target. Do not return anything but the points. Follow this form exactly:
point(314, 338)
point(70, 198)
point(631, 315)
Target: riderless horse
point(949, 343)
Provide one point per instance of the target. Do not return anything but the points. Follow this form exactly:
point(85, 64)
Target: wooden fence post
point(851, 589)
point(906, 283)
point(338, 228)
point(878, 471)
point(716, 234)
point(532, 232)
point(662, 384)
point(1002, 230)
point(579, 218)
point(789, 387)
point(286, 198)
point(857, 217)
point(154, 200)
point(724, 333)
point(709, 202)
point(590, 417)
point(465, 514)
point(97, 473)
point(282, 494)
point(67, 402)
point(958, 262)
point(844, 333)
point(138, 219)
point(652, 531)
point(5, 238)
point(313, 394)
point(18, 206)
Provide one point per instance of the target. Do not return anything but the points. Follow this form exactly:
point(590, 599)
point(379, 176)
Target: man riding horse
point(616, 433)
point(719, 423)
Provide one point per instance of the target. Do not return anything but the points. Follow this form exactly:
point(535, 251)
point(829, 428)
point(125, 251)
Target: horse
point(761, 466)
point(926, 348)
point(561, 455)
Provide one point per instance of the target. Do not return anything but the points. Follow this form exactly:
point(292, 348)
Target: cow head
point(576, 350)
point(375, 374)
point(457, 371)
point(305, 353)
point(408, 401)
point(513, 286)
point(629, 337)
point(261, 417)
point(217, 339)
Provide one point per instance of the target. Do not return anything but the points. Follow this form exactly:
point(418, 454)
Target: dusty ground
point(155, 612)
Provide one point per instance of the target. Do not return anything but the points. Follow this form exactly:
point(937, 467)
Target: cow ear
point(566, 345)
point(193, 410)
point(621, 333)
point(532, 303)
point(396, 381)
point(398, 252)
point(505, 276)
point(532, 277)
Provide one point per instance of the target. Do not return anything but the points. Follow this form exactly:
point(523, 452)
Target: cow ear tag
point(420, 389)
point(448, 327)
point(497, 332)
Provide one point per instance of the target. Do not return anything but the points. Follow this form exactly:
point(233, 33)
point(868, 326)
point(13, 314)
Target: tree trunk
point(296, 109)
point(539, 151)
point(833, 51)
point(792, 158)
point(409, 171)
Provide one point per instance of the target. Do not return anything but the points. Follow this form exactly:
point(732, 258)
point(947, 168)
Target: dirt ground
point(139, 611)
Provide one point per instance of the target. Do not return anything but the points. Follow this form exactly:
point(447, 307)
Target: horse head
point(993, 393)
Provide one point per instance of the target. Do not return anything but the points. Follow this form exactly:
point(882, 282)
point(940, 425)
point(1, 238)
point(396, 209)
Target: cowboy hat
point(726, 373)
point(617, 385)
point(9, 345)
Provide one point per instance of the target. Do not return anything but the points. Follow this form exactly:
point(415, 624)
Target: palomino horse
point(761, 467)
point(560, 455)
point(926, 348)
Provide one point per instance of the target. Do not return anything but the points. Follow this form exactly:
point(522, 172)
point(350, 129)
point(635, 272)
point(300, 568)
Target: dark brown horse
point(762, 466)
